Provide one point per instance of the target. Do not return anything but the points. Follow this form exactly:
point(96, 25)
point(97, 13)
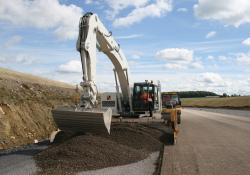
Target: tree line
point(195, 94)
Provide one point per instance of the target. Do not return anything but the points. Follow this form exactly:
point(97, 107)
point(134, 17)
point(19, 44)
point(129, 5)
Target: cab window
point(137, 90)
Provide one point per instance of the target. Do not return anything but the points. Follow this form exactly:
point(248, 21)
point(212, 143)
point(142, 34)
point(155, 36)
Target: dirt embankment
point(25, 105)
point(127, 143)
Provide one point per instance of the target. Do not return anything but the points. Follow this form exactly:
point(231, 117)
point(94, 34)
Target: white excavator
point(128, 100)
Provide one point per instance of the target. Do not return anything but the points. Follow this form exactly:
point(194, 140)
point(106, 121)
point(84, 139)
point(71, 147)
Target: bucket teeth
point(87, 121)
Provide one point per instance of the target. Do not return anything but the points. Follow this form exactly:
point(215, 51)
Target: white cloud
point(24, 59)
point(210, 57)
point(222, 58)
point(88, 1)
point(73, 66)
point(175, 66)
point(117, 6)
point(132, 63)
point(136, 54)
point(96, 2)
point(106, 86)
point(13, 41)
point(230, 12)
point(175, 54)
point(2, 59)
point(197, 65)
point(207, 81)
point(182, 10)
point(246, 42)
point(18, 58)
point(140, 10)
point(179, 58)
point(243, 58)
point(157, 9)
point(42, 14)
point(211, 79)
point(133, 36)
point(211, 34)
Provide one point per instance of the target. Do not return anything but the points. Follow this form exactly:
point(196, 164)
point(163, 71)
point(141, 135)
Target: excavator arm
point(93, 35)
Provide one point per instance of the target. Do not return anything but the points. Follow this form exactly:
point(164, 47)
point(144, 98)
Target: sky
point(185, 44)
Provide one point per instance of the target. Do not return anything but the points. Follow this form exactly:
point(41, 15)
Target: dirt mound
point(127, 143)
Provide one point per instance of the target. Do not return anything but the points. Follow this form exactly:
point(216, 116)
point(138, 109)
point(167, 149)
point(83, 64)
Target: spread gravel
point(128, 143)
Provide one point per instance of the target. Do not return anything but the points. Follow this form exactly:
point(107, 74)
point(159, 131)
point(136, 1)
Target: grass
point(19, 76)
point(227, 102)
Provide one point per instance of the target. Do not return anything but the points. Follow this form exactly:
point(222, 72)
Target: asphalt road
point(20, 162)
point(210, 144)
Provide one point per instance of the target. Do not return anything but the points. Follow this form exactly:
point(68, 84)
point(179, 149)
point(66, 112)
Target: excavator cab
point(145, 97)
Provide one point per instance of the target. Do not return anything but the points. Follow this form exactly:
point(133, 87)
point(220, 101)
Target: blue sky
point(186, 44)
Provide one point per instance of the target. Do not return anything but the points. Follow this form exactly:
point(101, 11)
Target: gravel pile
point(127, 143)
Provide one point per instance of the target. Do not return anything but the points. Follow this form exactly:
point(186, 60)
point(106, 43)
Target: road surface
point(210, 144)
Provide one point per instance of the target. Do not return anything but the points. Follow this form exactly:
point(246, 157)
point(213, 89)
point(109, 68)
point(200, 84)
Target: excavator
point(128, 100)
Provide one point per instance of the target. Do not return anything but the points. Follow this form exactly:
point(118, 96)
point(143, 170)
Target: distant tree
point(224, 94)
point(235, 95)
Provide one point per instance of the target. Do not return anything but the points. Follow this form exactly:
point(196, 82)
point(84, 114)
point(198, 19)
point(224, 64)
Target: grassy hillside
point(19, 76)
point(228, 102)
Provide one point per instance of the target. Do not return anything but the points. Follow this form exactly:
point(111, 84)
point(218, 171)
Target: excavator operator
point(147, 99)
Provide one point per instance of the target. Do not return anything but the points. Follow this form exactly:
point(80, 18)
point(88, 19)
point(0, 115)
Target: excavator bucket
point(87, 121)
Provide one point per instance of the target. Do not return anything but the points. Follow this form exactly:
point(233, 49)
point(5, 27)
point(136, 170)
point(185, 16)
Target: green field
point(226, 102)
